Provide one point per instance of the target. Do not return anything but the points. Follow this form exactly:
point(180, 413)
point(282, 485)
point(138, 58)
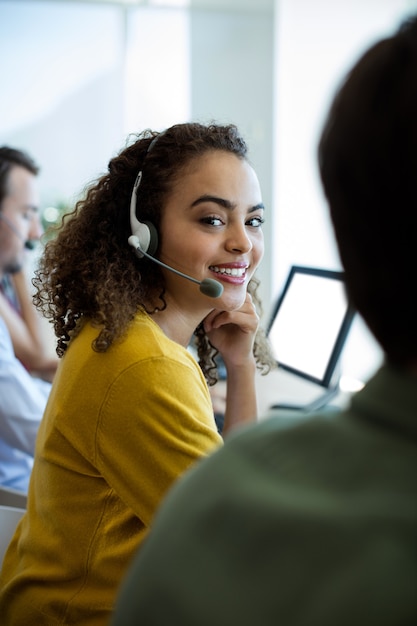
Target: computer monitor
point(310, 324)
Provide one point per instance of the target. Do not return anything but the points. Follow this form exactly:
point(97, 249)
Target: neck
point(178, 322)
point(178, 327)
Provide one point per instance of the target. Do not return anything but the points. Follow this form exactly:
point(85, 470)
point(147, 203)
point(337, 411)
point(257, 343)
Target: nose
point(36, 229)
point(238, 240)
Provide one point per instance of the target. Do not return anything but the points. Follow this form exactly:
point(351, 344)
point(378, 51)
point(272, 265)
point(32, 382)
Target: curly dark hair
point(88, 271)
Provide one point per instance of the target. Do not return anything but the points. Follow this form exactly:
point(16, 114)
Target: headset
point(145, 233)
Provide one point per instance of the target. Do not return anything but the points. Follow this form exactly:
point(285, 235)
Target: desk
point(267, 388)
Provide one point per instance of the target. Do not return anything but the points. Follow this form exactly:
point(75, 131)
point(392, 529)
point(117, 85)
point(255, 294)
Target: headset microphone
point(208, 286)
point(29, 244)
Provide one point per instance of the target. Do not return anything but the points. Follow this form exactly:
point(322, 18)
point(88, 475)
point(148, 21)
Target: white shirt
point(22, 402)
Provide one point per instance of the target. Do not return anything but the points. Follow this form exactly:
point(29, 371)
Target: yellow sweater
point(118, 430)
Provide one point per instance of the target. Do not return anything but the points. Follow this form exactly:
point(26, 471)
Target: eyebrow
point(226, 204)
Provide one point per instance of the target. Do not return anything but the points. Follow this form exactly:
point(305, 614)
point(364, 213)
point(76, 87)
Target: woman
point(130, 410)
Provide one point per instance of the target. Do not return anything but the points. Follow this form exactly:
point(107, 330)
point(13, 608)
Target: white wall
point(80, 77)
point(61, 89)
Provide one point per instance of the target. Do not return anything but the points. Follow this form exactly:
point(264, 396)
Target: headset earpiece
point(145, 233)
point(145, 237)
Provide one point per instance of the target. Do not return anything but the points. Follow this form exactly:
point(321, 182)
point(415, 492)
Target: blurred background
point(77, 77)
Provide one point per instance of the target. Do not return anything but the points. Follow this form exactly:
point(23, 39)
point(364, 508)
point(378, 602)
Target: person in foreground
point(130, 409)
point(23, 396)
point(314, 522)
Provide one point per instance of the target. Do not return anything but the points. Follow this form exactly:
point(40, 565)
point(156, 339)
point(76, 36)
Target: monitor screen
point(310, 323)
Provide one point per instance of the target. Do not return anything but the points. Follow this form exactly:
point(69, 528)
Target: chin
point(231, 302)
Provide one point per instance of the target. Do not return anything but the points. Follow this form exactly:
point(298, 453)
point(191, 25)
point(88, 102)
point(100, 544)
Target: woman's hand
point(233, 333)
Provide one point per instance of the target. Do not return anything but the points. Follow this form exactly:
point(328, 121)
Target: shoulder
point(142, 348)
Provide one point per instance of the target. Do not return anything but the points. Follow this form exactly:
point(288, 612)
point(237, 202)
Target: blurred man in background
point(23, 358)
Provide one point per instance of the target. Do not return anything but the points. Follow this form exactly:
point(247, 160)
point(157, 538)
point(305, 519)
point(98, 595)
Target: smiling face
point(211, 228)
